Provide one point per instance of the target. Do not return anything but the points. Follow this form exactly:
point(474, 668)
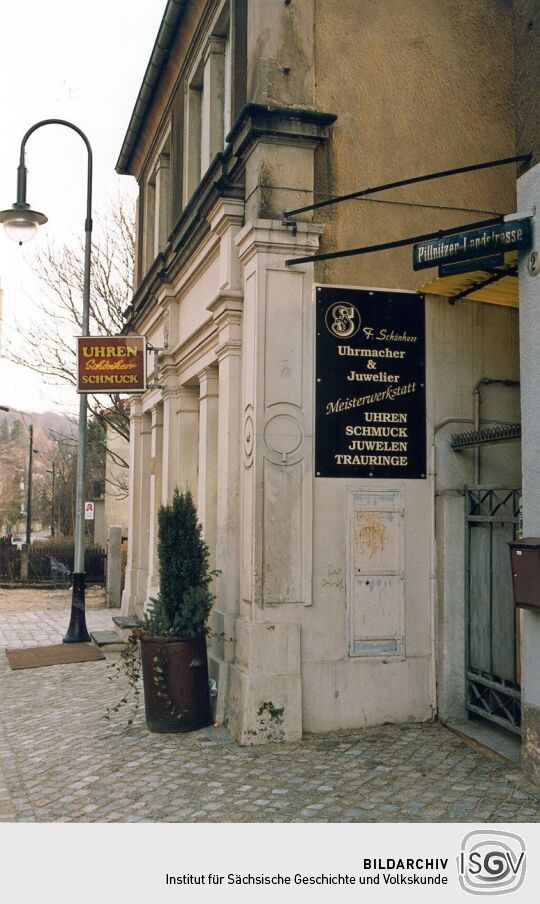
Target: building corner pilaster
point(276, 480)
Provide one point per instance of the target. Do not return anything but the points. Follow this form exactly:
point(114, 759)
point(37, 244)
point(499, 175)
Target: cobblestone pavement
point(61, 761)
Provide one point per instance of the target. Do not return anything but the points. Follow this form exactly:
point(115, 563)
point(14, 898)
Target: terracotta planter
point(183, 681)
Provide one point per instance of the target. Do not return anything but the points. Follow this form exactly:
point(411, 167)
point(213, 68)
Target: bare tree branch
point(47, 342)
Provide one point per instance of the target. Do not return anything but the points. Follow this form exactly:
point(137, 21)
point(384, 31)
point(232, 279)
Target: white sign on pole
point(89, 511)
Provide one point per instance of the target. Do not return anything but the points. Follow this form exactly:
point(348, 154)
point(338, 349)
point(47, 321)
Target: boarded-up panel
point(377, 542)
point(479, 590)
point(377, 606)
point(377, 598)
point(503, 662)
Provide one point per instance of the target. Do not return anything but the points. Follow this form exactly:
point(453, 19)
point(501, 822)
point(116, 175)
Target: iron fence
point(54, 562)
point(10, 560)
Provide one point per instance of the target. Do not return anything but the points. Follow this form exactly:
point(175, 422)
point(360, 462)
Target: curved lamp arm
point(22, 217)
point(22, 171)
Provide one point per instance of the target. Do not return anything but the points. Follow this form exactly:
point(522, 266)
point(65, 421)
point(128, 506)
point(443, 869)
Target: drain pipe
point(485, 381)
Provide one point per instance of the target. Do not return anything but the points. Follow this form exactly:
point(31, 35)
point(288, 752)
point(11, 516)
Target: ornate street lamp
point(21, 224)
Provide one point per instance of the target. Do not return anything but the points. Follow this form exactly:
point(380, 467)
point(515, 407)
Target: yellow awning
point(505, 291)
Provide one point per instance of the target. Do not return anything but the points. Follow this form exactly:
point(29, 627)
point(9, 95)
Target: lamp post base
point(77, 631)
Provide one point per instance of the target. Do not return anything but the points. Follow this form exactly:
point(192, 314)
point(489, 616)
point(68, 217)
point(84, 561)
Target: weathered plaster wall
point(339, 690)
point(527, 51)
point(465, 343)
point(280, 53)
point(418, 87)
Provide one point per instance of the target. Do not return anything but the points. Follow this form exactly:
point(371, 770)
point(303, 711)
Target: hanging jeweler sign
point(370, 384)
point(111, 364)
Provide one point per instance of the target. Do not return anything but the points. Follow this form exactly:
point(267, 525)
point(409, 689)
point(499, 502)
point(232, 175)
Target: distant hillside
point(14, 459)
point(44, 422)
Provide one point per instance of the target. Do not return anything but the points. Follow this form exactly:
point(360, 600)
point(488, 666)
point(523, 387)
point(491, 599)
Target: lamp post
point(29, 489)
point(21, 224)
point(53, 498)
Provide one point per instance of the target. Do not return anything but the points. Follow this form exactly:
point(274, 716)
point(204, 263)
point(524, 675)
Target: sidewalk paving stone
point(62, 761)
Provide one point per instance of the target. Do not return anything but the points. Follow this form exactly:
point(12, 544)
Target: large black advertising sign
point(370, 384)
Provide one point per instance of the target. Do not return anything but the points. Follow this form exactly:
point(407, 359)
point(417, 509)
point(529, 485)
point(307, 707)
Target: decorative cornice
point(188, 352)
point(187, 399)
point(157, 416)
point(226, 212)
point(230, 301)
point(290, 124)
point(135, 411)
point(222, 183)
point(215, 44)
point(168, 377)
point(271, 236)
point(208, 379)
point(231, 347)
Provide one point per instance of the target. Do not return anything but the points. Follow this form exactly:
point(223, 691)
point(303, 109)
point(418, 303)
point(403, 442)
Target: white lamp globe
point(21, 223)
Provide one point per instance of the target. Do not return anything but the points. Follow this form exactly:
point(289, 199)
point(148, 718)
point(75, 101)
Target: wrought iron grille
point(492, 674)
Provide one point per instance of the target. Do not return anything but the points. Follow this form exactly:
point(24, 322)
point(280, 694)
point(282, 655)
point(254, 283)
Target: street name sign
point(487, 264)
point(475, 243)
point(111, 364)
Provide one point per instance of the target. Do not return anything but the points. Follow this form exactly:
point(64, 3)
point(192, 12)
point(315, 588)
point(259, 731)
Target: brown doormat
point(58, 654)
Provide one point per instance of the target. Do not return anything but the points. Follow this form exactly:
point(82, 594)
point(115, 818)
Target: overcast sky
point(80, 60)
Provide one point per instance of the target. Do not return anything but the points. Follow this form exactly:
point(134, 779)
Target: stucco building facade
point(527, 55)
point(341, 600)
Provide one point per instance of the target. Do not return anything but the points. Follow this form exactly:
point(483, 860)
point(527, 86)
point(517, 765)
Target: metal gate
point(492, 654)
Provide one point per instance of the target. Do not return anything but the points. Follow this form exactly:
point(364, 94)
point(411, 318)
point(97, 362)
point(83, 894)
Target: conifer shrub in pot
point(173, 634)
